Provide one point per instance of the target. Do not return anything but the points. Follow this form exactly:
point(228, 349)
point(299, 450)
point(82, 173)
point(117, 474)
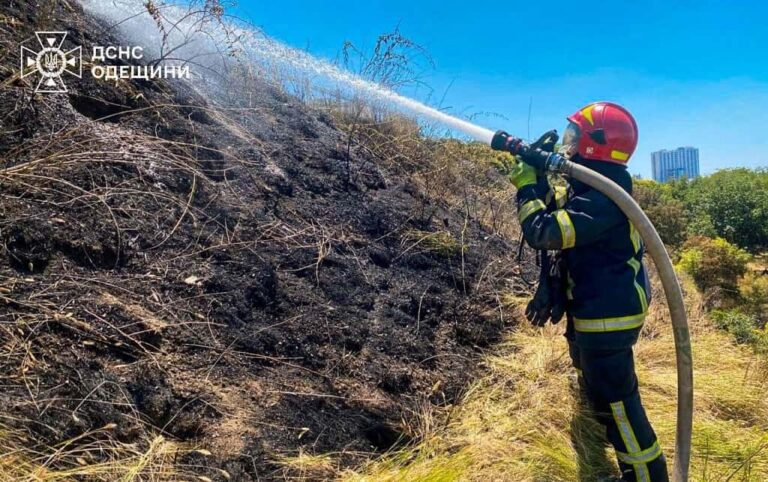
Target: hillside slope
point(234, 280)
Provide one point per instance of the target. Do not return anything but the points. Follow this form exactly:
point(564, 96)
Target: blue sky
point(692, 73)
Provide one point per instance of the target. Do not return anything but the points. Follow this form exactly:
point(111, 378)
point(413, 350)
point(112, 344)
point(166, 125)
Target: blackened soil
point(236, 279)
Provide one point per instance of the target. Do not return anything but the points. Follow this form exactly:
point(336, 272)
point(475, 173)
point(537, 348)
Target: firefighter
point(592, 270)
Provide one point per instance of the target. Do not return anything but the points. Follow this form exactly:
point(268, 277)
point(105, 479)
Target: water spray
point(254, 48)
point(258, 49)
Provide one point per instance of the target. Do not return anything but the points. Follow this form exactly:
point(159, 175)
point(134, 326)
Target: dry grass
point(523, 421)
point(440, 242)
point(94, 456)
point(457, 174)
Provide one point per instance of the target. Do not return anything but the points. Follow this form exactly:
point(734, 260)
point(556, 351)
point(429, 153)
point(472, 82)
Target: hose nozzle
point(541, 159)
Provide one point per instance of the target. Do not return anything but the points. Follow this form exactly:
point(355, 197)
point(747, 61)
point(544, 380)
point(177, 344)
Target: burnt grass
point(232, 278)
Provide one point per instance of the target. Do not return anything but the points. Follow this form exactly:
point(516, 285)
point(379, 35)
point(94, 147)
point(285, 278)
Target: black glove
point(504, 142)
point(547, 141)
point(548, 302)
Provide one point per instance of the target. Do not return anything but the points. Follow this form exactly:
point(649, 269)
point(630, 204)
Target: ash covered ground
point(239, 279)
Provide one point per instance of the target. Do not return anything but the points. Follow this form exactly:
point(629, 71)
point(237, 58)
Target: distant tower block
point(675, 164)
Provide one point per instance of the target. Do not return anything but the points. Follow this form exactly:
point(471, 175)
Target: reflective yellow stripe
point(641, 471)
point(567, 231)
point(635, 237)
point(642, 457)
point(630, 440)
point(635, 264)
point(561, 196)
point(627, 434)
point(636, 457)
point(532, 206)
point(598, 325)
point(619, 156)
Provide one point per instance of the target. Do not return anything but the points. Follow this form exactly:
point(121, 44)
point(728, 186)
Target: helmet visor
point(571, 138)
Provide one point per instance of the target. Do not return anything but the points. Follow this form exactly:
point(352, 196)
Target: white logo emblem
point(51, 62)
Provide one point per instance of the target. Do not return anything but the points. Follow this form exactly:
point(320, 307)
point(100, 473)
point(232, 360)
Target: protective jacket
point(607, 285)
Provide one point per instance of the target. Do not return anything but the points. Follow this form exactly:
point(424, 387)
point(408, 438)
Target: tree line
point(716, 228)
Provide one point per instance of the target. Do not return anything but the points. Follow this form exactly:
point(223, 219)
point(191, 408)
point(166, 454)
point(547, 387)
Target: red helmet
point(602, 131)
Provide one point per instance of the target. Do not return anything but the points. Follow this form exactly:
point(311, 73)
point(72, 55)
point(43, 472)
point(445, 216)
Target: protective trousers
point(609, 380)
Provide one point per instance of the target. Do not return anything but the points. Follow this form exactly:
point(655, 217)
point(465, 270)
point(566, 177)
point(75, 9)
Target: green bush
point(732, 203)
point(713, 263)
point(671, 221)
point(701, 225)
point(743, 327)
point(668, 215)
point(753, 289)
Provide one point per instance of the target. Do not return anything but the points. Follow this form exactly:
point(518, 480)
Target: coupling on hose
point(538, 158)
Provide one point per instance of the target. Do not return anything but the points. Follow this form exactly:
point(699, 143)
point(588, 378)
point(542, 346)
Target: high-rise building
point(676, 163)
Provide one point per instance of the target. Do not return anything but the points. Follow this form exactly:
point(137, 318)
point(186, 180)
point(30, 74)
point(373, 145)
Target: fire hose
point(553, 162)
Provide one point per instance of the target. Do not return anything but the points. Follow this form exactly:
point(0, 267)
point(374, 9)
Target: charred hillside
point(240, 279)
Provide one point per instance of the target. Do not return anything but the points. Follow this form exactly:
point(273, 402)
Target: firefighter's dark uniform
point(607, 300)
